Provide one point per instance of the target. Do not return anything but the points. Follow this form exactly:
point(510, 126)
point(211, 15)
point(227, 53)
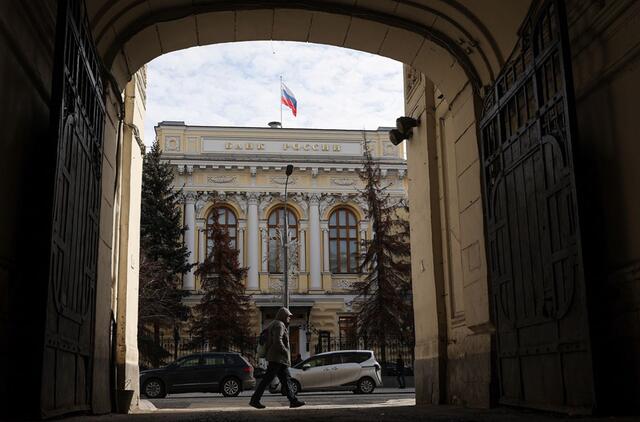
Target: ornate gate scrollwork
point(533, 242)
point(78, 121)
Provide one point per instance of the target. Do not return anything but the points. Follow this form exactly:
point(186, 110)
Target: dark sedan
point(226, 373)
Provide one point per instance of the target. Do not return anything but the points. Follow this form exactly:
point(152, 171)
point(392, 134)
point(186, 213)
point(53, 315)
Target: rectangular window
point(347, 331)
point(324, 341)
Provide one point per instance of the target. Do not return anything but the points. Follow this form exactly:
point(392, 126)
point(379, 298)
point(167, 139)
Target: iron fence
point(386, 352)
point(168, 349)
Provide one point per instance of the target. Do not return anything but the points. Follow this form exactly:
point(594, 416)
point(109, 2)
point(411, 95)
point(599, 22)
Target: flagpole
point(281, 125)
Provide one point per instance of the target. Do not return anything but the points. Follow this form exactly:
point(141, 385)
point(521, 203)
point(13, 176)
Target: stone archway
point(432, 36)
point(446, 47)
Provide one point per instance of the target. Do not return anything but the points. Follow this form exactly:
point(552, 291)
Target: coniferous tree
point(163, 257)
point(384, 296)
point(222, 316)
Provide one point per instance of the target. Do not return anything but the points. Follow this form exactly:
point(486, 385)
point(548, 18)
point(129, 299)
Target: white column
point(314, 243)
point(325, 245)
point(302, 259)
point(363, 237)
point(252, 229)
point(189, 282)
point(303, 343)
point(240, 237)
point(202, 232)
point(265, 249)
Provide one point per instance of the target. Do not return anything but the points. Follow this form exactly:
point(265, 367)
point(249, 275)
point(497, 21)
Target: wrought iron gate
point(78, 120)
point(533, 238)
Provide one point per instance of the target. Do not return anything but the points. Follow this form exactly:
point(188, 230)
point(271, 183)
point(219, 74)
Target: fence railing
point(169, 349)
point(387, 352)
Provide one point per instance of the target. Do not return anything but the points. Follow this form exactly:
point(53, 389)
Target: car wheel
point(230, 387)
point(366, 386)
point(295, 387)
point(154, 389)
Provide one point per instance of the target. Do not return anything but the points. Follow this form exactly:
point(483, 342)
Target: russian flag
point(287, 98)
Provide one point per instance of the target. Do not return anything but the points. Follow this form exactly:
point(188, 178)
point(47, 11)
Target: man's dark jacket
point(278, 341)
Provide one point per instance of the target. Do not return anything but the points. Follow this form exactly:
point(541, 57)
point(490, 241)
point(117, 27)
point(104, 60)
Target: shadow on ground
point(347, 414)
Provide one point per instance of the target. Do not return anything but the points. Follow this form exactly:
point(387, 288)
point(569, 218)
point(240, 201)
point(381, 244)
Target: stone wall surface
point(605, 47)
point(27, 41)
point(426, 244)
point(466, 284)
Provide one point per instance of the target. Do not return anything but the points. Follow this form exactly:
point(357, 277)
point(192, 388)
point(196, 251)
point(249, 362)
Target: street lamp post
point(285, 239)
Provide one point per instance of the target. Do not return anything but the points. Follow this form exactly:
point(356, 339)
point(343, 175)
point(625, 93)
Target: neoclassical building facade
point(237, 175)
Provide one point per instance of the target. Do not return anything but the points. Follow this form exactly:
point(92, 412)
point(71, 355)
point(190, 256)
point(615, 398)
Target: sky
point(238, 84)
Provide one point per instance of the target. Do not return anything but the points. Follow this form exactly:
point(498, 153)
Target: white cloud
point(237, 84)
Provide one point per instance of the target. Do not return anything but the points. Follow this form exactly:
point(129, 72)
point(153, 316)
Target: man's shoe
point(297, 403)
point(256, 404)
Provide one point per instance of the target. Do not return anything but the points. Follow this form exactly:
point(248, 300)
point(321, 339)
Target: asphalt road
point(201, 401)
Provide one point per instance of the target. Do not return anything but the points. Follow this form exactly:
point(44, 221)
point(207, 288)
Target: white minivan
point(355, 370)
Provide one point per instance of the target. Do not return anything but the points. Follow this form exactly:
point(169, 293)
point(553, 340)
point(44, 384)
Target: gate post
point(426, 246)
point(129, 195)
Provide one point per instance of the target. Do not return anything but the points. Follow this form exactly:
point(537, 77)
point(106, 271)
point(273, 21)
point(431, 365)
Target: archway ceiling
point(451, 41)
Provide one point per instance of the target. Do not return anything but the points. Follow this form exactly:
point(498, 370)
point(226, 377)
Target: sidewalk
point(391, 412)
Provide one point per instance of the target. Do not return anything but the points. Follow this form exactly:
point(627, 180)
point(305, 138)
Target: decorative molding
point(314, 172)
point(326, 202)
point(241, 200)
point(300, 200)
point(221, 179)
point(329, 200)
point(412, 78)
point(343, 283)
point(343, 181)
point(276, 284)
point(253, 198)
point(200, 203)
point(281, 180)
point(314, 199)
point(190, 197)
point(190, 168)
point(253, 171)
point(401, 174)
point(390, 150)
point(265, 201)
point(171, 143)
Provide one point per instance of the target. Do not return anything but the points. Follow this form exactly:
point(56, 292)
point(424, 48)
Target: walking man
point(400, 371)
point(279, 359)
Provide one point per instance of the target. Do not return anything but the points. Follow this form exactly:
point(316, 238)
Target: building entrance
point(515, 316)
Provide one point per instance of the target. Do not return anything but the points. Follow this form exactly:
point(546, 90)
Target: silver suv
point(355, 370)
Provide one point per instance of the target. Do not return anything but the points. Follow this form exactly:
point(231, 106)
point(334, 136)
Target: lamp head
point(403, 129)
point(289, 169)
point(404, 124)
point(396, 137)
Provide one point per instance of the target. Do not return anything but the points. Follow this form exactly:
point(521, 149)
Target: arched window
point(227, 220)
point(343, 242)
point(276, 226)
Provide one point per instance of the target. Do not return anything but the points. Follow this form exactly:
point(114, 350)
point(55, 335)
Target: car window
point(233, 360)
point(337, 358)
point(356, 357)
point(213, 360)
point(319, 361)
point(188, 362)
